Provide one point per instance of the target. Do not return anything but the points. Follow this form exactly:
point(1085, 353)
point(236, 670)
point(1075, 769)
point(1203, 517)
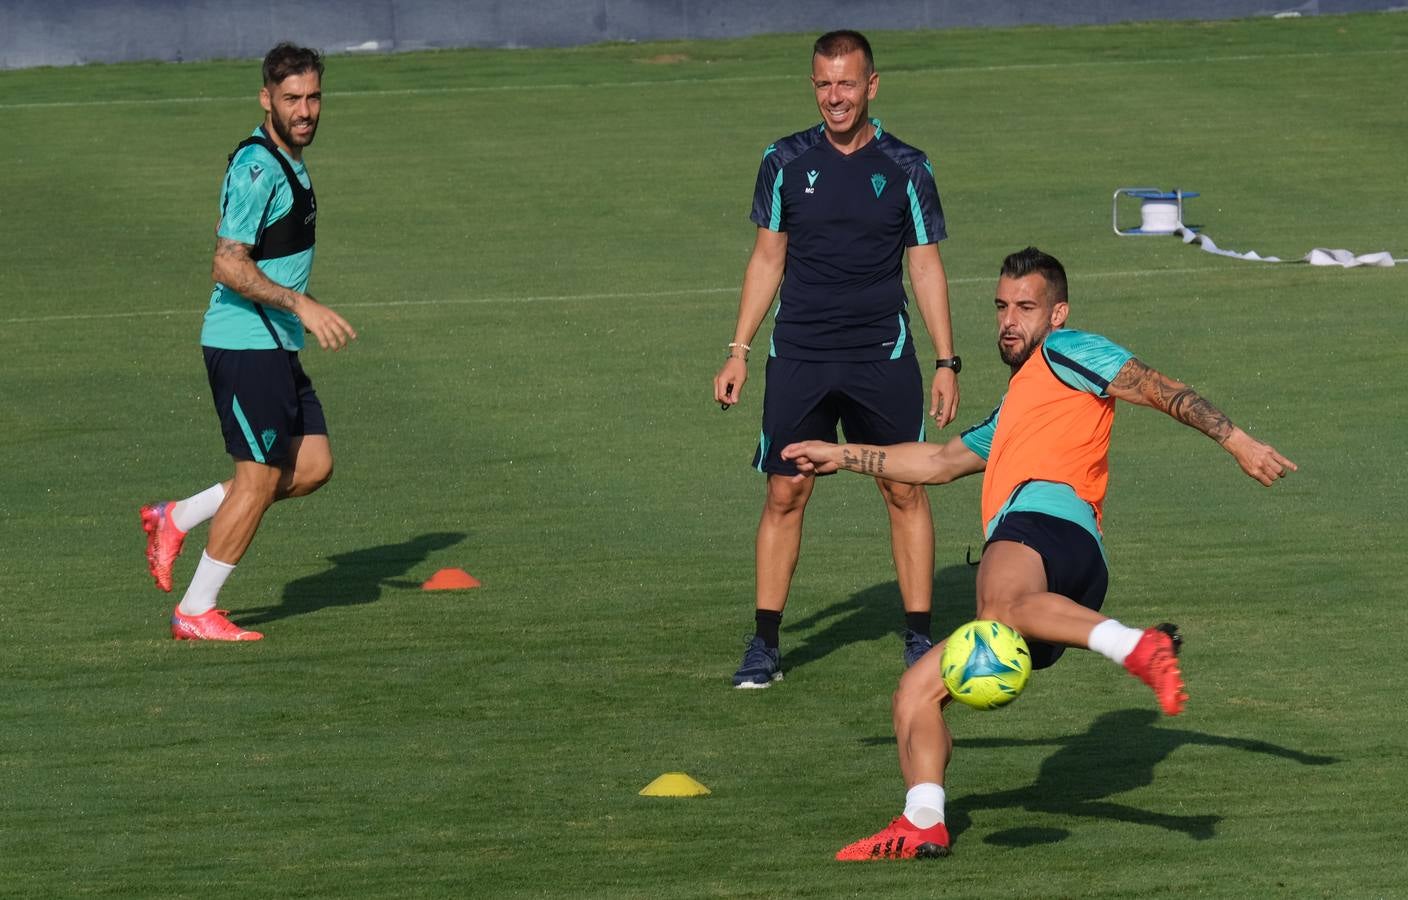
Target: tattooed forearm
point(1138, 383)
point(1191, 409)
point(234, 269)
point(867, 462)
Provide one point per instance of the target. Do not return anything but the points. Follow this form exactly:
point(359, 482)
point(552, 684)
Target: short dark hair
point(290, 59)
point(839, 43)
point(1032, 261)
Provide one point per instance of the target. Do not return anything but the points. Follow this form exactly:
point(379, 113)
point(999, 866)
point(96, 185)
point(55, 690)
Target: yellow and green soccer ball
point(986, 664)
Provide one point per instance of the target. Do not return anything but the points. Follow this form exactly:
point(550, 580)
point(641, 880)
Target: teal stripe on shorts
point(248, 432)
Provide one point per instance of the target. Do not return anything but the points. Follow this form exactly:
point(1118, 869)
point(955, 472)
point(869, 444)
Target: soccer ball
point(985, 664)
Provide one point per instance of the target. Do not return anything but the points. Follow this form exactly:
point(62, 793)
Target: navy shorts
point(263, 399)
point(1075, 567)
point(874, 403)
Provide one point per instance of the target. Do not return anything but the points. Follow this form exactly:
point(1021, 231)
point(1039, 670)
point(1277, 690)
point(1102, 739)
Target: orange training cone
point(450, 580)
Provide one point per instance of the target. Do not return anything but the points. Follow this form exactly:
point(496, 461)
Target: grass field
point(541, 251)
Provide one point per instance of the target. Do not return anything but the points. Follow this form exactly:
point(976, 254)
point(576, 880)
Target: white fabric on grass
point(1317, 257)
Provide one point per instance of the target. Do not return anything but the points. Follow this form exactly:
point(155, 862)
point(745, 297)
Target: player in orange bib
point(1044, 453)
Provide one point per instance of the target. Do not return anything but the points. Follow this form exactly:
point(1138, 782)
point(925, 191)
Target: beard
point(284, 129)
point(1018, 357)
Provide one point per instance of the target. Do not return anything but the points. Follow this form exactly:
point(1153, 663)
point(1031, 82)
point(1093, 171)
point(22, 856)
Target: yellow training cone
point(674, 784)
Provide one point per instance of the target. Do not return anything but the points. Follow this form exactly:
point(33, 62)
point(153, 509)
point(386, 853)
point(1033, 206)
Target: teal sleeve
point(926, 212)
point(979, 437)
point(767, 194)
point(251, 197)
point(1084, 361)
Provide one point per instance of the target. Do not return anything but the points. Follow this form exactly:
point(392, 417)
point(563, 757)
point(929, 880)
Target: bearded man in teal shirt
point(270, 416)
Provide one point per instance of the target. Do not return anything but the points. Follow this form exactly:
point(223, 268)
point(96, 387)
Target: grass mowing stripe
point(574, 298)
point(724, 79)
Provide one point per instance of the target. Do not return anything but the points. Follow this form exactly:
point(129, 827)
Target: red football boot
point(164, 541)
point(1154, 661)
point(208, 626)
point(901, 839)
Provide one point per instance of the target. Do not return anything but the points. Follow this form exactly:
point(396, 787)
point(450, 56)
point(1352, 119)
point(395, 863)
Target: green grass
point(541, 251)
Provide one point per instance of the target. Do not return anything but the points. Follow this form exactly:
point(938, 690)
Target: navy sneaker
point(761, 665)
point(915, 646)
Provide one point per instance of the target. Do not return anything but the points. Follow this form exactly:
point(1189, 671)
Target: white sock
point(924, 804)
point(205, 586)
point(189, 513)
point(1113, 640)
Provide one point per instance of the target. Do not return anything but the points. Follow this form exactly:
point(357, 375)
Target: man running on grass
point(270, 416)
point(1044, 455)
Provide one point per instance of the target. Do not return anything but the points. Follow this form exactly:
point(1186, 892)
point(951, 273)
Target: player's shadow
point(1118, 753)
point(355, 578)
point(877, 612)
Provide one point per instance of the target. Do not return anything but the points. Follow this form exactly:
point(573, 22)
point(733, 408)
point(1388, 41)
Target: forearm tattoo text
point(868, 462)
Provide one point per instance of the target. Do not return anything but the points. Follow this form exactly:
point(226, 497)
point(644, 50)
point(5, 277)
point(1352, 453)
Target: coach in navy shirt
point(839, 208)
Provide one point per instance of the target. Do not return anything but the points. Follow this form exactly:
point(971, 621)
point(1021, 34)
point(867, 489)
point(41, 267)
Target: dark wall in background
point(69, 32)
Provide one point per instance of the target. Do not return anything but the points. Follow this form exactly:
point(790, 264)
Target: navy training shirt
point(848, 221)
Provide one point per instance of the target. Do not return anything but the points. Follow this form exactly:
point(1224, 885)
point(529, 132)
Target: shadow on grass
point(1116, 754)
point(355, 578)
point(878, 611)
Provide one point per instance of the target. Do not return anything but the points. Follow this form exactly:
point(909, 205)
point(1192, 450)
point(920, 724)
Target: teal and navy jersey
point(1052, 457)
point(848, 221)
point(256, 194)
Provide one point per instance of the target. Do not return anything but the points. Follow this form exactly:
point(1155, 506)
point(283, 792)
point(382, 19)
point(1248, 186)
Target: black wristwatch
point(949, 362)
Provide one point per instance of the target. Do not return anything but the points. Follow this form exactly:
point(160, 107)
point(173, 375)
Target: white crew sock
point(1113, 640)
point(189, 513)
point(205, 586)
point(924, 804)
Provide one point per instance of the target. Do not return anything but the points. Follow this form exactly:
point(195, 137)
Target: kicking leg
point(925, 745)
point(1012, 588)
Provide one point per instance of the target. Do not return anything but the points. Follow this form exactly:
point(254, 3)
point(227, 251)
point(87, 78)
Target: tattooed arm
point(1138, 383)
point(234, 268)
point(914, 463)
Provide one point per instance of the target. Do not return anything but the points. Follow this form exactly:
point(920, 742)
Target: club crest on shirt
point(877, 181)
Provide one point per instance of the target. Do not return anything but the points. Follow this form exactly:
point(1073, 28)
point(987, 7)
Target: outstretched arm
point(913, 463)
point(1138, 383)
